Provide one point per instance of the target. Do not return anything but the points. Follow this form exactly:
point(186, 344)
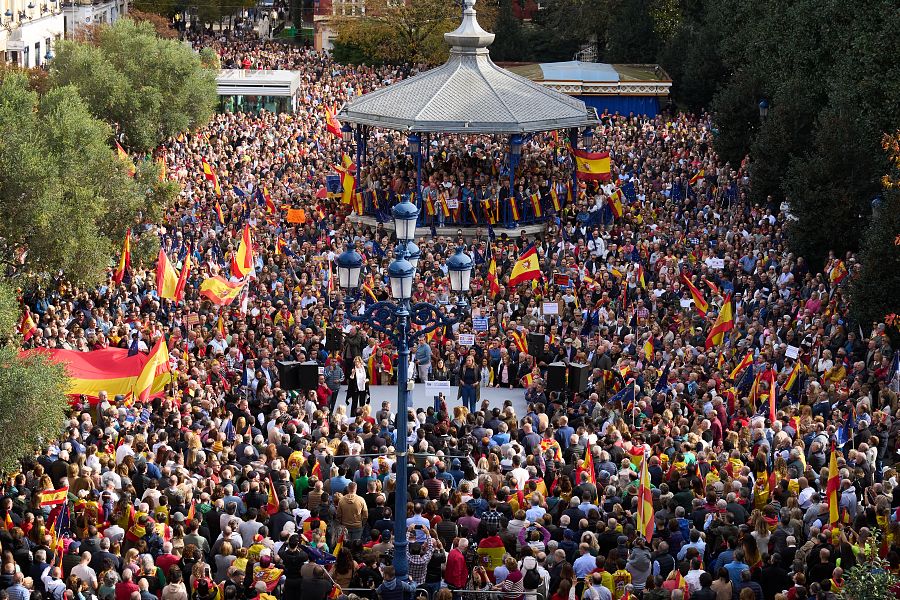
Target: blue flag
point(662, 384)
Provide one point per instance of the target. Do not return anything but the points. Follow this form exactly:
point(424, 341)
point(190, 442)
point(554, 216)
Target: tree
point(402, 31)
point(161, 25)
point(631, 35)
point(150, 87)
point(509, 43)
point(32, 392)
point(563, 27)
point(871, 577)
point(56, 160)
point(875, 291)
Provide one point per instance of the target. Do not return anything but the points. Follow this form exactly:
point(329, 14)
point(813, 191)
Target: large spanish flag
point(220, 291)
point(110, 370)
point(724, 323)
point(54, 497)
point(209, 174)
point(527, 268)
point(332, 125)
point(591, 166)
point(745, 362)
point(166, 277)
point(833, 487)
point(157, 366)
point(494, 286)
point(645, 520)
point(699, 301)
point(242, 261)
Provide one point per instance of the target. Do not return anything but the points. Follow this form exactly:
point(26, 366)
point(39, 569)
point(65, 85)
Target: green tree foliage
point(56, 159)
point(152, 88)
point(510, 35)
point(631, 36)
point(32, 392)
point(413, 31)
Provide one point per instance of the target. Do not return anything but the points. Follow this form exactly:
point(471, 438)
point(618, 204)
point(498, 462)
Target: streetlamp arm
point(385, 317)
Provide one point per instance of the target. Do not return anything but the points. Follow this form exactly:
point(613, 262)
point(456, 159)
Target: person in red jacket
point(456, 574)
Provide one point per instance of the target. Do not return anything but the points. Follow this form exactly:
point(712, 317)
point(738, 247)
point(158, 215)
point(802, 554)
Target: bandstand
point(467, 95)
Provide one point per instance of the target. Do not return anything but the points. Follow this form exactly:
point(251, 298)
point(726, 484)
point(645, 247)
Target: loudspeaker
point(536, 345)
point(308, 375)
point(578, 376)
point(288, 374)
point(334, 339)
point(556, 377)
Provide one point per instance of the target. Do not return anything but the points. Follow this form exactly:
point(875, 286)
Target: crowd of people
point(228, 486)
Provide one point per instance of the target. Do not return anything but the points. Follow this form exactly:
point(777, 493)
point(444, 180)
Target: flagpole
point(633, 403)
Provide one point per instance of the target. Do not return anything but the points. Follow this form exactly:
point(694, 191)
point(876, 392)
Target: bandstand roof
point(468, 94)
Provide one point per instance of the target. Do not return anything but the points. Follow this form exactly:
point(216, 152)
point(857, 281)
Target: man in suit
point(620, 329)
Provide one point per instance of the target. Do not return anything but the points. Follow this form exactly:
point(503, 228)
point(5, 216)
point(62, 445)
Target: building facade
point(29, 29)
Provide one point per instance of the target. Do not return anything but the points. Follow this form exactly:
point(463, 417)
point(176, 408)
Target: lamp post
point(763, 109)
point(414, 145)
point(394, 319)
point(515, 153)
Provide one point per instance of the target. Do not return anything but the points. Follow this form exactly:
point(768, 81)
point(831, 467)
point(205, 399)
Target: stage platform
point(423, 396)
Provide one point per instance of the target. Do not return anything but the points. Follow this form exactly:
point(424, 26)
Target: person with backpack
point(534, 580)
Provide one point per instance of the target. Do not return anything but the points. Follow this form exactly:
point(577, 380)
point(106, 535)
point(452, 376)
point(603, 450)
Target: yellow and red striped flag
point(27, 327)
point(833, 488)
point(157, 365)
point(124, 260)
point(166, 278)
point(724, 323)
point(220, 291)
point(745, 362)
point(209, 174)
point(242, 261)
point(645, 519)
point(54, 497)
point(699, 301)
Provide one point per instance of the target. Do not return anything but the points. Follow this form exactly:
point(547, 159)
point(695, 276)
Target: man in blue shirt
point(585, 563)
point(423, 360)
point(736, 567)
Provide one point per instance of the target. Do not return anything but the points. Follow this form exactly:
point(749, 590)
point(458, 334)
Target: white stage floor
point(423, 398)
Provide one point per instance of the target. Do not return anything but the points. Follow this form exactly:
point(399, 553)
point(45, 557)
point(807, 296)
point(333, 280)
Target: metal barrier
point(462, 594)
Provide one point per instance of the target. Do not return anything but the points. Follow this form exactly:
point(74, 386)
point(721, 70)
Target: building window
point(37, 54)
point(25, 57)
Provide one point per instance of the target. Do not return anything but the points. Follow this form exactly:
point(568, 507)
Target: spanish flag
point(494, 286)
point(166, 278)
point(27, 327)
point(54, 497)
point(219, 214)
point(110, 370)
point(554, 197)
point(833, 488)
point(586, 466)
point(157, 365)
point(724, 323)
point(615, 203)
point(445, 207)
point(770, 379)
point(838, 272)
point(513, 207)
point(745, 362)
point(271, 506)
point(699, 301)
point(332, 125)
point(182, 277)
point(591, 166)
point(348, 179)
point(648, 349)
point(429, 206)
point(639, 275)
point(220, 291)
point(220, 325)
point(792, 378)
point(242, 261)
point(536, 204)
point(210, 175)
point(645, 521)
point(124, 260)
point(270, 206)
point(123, 156)
point(519, 339)
point(696, 177)
point(527, 268)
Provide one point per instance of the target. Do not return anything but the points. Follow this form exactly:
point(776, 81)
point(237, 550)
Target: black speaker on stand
point(334, 339)
point(288, 374)
point(308, 375)
point(578, 377)
point(556, 377)
point(536, 345)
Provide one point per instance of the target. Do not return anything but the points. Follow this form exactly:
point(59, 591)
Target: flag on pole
point(536, 204)
point(645, 518)
point(586, 466)
point(242, 261)
point(745, 362)
point(591, 166)
point(54, 497)
point(792, 377)
point(166, 277)
point(27, 327)
point(527, 268)
point(210, 175)
point(615, 204)
point(699, 301)
point(833, 487)
point(724, 323)
point(219, 214)
point(124, 259)
point(220, 291)
point(332, 125)
point(182, 277)
point(157, 365)
point(272, 503)
point(697, 176)
point(770, 379)
point(494, 286)
point(123, 156)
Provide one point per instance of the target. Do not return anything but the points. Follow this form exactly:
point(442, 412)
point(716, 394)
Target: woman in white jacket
point(358, 388)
